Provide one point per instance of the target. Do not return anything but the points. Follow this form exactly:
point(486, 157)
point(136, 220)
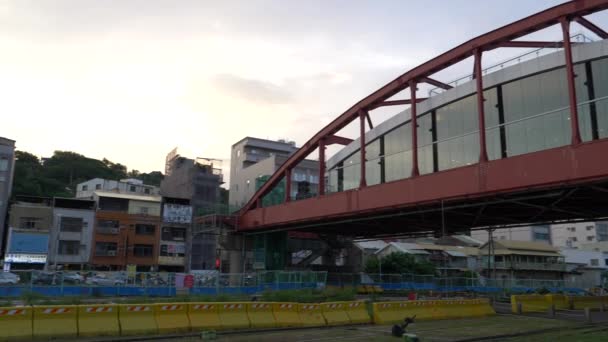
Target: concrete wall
point(144, 208)
point(575, 234)
point(43, 214)
point(7, 154)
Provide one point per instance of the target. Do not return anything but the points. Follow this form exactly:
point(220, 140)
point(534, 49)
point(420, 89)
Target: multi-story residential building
point(574, 235)
point(522, 260)
point(252, 158)
point(176, 223)
point(123, 186)
point(585, 267)
point(30, 220)
point(542, 234)
point(198, 181)
point(71, 233)
point(126, 231)
point(7, 167)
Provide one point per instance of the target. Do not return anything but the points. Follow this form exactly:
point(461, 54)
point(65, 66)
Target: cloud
point(251, 89)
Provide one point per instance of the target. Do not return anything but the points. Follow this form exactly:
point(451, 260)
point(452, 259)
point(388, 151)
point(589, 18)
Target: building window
point(590, 238)
point(145, 229)
point(147, 191)
point(174, 234)
point(143, 250)
point(589, 227)
point(601, 230)
point(595, 262)
point(71, 224)
point(85, 187)
point(238, 153)
point(132, 188)
point(574, 239)
point(172, 250)
point(29, 222)
point(572, 229)
point(97, 186)
point(143, 210)
point(2, 179)
point(69, 247)
point(108, 226)
point(3, 164)
point(105, 249)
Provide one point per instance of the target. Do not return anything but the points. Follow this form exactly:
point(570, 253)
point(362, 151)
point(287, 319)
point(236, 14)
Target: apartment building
point(7, 169)
point(253, 158)
point(127, 231)
point(176, 223)
point(540, 234)
point(71, 233)
point(574, 235)
point(124, 186)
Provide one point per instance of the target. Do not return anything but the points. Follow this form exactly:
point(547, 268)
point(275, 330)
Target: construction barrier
point(261, 315)
point(55, 321)
point(204, 316)
point(311, 315)
point(233, 315)
point(171, 317)
point(396, 312)
point(559, 301)
point(98, 320)
point(286, 314)
point(357, 313)
point(16, 323)
point(335, 313)
point(137, 319)
point(582, 302)
point(529, 303)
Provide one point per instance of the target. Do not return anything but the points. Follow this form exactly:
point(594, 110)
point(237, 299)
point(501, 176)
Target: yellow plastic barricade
point(260, 315)
point(137, 319)
point(335, 313)
point(171, 317)
point(559, 301)
point(233, 316)
point(311, 315)
point(529, 303)
point(582, 302)
point(389, 312)
point(357, 312)
point(204, 316)
point(98, 320)
point(286, 314)
point(55, 321)
point(16, 323)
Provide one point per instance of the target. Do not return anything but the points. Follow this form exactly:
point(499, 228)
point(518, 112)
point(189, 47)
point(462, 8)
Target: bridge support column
point(576, 135)
point(415, 171)
point(481, 117)
point(362, 115)
point(287, 185)
point(321, 191)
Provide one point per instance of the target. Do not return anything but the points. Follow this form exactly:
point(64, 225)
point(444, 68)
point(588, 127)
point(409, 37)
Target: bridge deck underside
point(566, 183)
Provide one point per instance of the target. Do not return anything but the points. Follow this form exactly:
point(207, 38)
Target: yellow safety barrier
point(311, 315)
point(98, 320)
point(529, 303)
point(357, 312)
point(388, 312)
point(464, 308)
point(335, 313)
point(396, 312)
point(286, 314)
point(260, 315)
point(16, 323)
point(559, 301)
point(204, 316)
point(55, 321)
point(171, 317)
point(233, 315)
point(582, 302)
point(137, 319)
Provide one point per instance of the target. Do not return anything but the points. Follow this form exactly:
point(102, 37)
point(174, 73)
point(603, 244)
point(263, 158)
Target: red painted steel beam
point(483, 154)
point(414, 122)
point(321, 191)
point(484, 42)
point(334, 139)
point(576, 135)
point(592, 27)
point(362, 178)
point(396, 103)
point(531, 44)
point(436, 83)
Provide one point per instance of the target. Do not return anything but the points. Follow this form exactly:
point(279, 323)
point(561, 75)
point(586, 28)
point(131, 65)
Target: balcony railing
point(547, 266)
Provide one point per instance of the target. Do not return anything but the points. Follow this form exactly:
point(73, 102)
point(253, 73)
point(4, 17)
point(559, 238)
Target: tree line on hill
point(59, 174)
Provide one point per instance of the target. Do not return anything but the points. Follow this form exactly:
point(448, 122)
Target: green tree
point(399, 263)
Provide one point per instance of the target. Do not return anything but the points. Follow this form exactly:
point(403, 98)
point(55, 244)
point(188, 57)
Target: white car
point(103, 280)
point(7, 278)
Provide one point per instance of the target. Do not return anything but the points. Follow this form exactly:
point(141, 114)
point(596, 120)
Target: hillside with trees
point(58, 175)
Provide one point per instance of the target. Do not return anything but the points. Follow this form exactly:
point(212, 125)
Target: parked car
point(8, 278)
point(71, 277)
point(45, 278)
point(104, 280)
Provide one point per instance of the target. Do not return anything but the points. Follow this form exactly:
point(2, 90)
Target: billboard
point(177, 213)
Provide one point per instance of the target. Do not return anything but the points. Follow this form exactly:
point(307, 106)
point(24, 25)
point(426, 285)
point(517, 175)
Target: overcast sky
point(130, 80)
